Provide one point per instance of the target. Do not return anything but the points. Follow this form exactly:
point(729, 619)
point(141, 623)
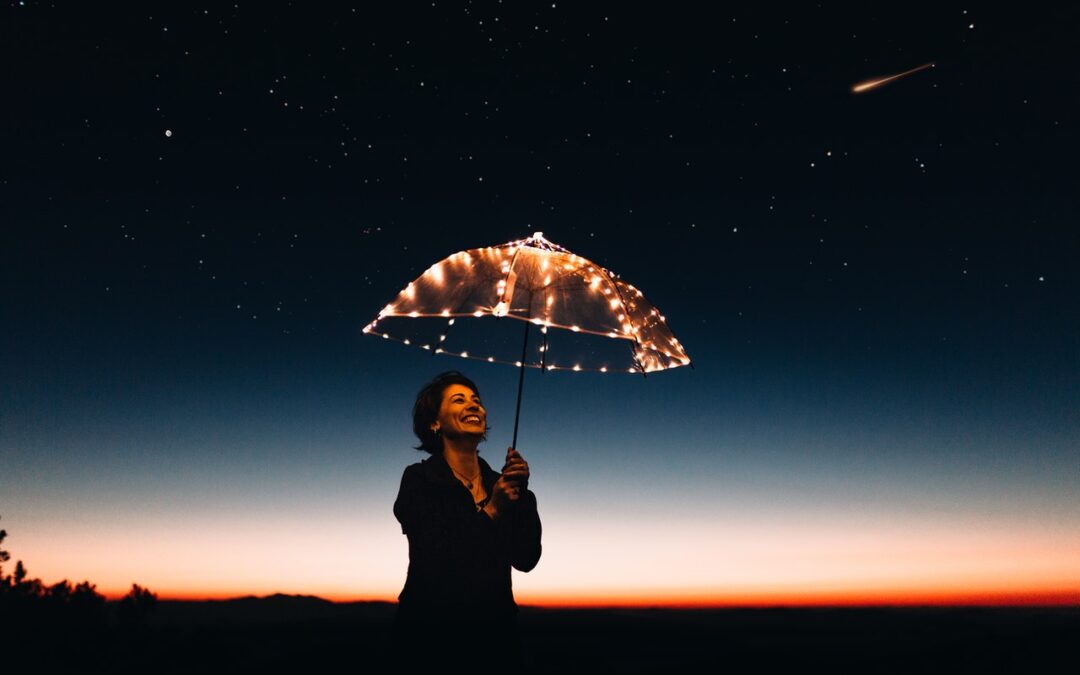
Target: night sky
point(201, 208)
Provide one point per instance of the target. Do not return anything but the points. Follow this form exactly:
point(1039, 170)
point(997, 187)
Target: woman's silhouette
point(467, 525)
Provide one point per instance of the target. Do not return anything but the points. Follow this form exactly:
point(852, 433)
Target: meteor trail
point(872, 84)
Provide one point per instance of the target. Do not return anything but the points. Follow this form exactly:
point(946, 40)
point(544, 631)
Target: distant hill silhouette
point(275, 608)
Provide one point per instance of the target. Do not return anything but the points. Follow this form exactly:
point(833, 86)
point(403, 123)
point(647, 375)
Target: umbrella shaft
point(521, 383)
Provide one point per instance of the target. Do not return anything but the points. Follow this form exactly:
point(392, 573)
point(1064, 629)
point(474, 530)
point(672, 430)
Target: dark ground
point(303, 634)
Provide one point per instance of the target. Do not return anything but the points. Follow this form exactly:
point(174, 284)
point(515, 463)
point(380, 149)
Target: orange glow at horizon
point(756, 561)
point(705, 599)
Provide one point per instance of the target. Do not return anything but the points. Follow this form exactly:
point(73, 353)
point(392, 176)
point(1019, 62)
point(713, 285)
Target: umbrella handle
point(521, 383)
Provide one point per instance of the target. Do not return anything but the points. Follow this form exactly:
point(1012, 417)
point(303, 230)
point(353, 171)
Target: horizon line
point(973, 600)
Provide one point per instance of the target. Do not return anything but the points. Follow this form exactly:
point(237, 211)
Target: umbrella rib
point(626, 310)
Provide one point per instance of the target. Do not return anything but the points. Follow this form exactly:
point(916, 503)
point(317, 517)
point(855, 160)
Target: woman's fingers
point(509, 487)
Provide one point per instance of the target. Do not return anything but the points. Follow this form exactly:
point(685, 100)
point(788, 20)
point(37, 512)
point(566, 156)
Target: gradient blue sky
point(878, 292)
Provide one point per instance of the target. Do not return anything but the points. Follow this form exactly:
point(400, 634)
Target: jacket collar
point(437, 470)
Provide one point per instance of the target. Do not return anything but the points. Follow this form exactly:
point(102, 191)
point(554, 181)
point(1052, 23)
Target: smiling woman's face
point(461, 413)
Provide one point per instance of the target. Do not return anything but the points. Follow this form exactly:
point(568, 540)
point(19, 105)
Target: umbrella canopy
point(535, 281)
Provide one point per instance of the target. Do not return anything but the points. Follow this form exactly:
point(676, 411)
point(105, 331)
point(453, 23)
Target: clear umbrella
point(459, 306)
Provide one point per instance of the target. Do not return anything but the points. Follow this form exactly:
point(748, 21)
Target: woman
point(467, 525)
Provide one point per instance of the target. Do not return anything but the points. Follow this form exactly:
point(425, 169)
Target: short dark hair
point(426, 408)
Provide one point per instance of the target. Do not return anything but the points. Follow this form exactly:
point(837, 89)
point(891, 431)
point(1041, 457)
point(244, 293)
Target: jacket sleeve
point(521, 532)
point(412, 508)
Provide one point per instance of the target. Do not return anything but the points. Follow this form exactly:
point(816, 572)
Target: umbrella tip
point(538, 235)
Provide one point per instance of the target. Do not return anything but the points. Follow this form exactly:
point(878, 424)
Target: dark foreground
point(298, 634)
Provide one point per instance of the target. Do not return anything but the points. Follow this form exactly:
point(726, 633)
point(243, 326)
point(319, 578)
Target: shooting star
point(873, 84)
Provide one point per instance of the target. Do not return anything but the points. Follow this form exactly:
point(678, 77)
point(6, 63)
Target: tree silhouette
point(135, 606)
point(30, 602)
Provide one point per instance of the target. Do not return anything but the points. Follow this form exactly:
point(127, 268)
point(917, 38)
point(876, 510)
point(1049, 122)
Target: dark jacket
point(460, 559)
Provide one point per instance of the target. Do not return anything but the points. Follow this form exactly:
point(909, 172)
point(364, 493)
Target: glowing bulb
point(446, 312)
point(576, 329)
point(464, 355)
point(500, 309)
point(577, 368)
point(517, 363)
point(414, 314)
point(478, 313)
point(491, 359)
point(407, 342)
point(603, 369)
point(451, 322)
